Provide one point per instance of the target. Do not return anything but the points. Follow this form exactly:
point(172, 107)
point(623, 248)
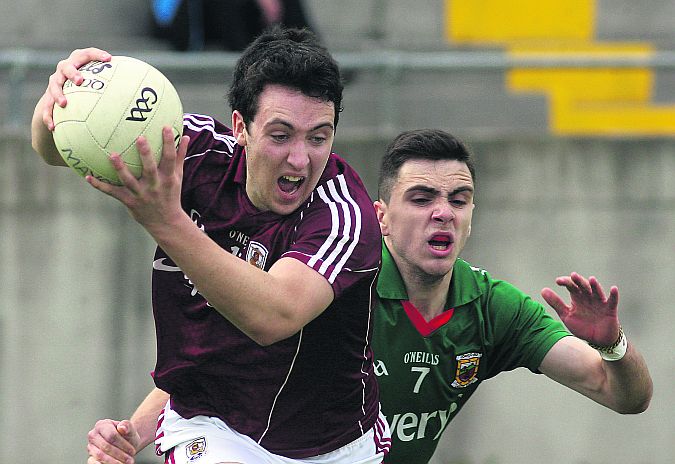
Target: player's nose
point(298, 156)
point(442, 212)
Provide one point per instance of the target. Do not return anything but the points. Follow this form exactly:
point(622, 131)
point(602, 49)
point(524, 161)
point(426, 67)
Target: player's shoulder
point(467, 271)
point(207, 135)
point(478, 281)
point(478, 274)
point(212, 152)
point(497, 296)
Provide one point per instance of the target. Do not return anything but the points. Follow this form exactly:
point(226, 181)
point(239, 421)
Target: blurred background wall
point(569, 107)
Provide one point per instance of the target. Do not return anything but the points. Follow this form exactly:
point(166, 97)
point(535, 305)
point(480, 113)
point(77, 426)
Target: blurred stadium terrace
point(568, 105)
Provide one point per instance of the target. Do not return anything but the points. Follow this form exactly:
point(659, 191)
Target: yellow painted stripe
point(583, 101)
point(614, 120)
point(604, 84)
point(504, 21)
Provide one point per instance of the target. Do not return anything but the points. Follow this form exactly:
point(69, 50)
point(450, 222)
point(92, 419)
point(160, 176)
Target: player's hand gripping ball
point(117, 101)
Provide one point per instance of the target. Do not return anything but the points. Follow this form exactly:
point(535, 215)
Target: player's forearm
point(629, 384)
point(42, 139)
point(146, 415)
point(623, 386)
point(259, 303)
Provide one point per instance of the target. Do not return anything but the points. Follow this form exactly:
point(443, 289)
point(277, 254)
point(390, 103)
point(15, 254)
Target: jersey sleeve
point(338, 235)
point(209, 152)
point(207, 135)
point(524, 330)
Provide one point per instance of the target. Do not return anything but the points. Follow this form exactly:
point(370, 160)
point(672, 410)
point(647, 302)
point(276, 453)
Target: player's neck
point(429, 297)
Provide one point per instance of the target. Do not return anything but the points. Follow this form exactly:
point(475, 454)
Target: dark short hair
point(422, 144)
point(290, 57)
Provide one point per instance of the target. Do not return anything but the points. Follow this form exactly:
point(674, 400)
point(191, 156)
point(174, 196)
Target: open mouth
point(440, 242)
point(290, 184)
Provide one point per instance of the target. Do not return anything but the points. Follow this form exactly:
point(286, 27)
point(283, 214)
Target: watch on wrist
point(615, 351)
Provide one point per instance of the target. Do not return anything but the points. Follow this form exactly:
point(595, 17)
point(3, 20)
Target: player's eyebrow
point(462, 189)
point(433, 191)
point(283, 122)
point(421, 188)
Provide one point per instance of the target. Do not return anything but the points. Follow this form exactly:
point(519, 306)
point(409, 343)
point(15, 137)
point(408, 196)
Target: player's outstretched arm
point(623, 385)
point(113, 441)
point(42, 123)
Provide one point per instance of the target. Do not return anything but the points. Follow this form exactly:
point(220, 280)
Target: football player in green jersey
point(444, 326)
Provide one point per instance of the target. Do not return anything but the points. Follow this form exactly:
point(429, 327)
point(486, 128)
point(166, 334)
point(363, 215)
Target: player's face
point(427, 219)
point(287, 146)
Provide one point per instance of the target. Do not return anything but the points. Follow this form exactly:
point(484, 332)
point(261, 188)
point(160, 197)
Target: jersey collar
point(464, 286)
point(390, 283)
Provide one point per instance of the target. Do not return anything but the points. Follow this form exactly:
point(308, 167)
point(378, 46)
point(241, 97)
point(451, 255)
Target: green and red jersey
point(428, 370)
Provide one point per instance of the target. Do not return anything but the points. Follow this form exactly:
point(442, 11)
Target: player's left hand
point(590, 315)
point(112, 442)
point(67, 69)
point(153, 199)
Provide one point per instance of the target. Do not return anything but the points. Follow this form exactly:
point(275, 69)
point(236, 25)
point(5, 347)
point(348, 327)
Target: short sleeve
point(523, 330)
point(338, 235)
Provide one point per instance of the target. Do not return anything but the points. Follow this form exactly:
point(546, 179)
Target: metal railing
point(390, 63)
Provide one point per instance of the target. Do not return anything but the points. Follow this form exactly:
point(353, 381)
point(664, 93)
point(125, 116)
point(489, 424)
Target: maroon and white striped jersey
point(315, 391)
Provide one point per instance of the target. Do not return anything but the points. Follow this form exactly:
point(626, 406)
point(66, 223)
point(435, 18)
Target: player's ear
point(381, 213)
point(239, 128)
point(468, 232)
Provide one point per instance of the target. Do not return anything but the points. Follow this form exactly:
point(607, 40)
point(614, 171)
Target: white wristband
point(615, 351)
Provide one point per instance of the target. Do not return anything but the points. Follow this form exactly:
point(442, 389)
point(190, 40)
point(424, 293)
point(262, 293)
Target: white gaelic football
point(118, 101)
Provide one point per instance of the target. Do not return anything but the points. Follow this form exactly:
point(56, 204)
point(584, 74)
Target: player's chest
point(424, 381)
point(256, 238)
point(444, 363)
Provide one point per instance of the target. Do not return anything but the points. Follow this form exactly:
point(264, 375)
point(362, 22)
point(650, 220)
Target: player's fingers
point(48, 110)
point(99, 185)
point(149, 170)
point(554, 301)
point(125, 176)
point(127, 431)
point(116, 443)
point(124, 428)
point(568, 283)
point(78, 58)
point(55, 89)
point(65, 70)
point(68, 69)
point(180, 155)
point(581, 282)
point(613, 299)
point(596, 288)
point(109, 189)
point(167, 165)
point(97, 455)
point(101, 428)
point(105, 444)
point(85, 55)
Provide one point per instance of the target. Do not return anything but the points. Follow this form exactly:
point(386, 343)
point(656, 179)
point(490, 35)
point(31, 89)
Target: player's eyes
point(279, 137)
point(318, 140)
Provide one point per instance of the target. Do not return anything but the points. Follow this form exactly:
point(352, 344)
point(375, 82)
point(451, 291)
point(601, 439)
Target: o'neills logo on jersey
point(256, 254)
point(467, 369)
point(196, 449)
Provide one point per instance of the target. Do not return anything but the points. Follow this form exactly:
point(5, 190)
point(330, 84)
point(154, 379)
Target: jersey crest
point(256, 254)
point(196, 449)
point(467, 369)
